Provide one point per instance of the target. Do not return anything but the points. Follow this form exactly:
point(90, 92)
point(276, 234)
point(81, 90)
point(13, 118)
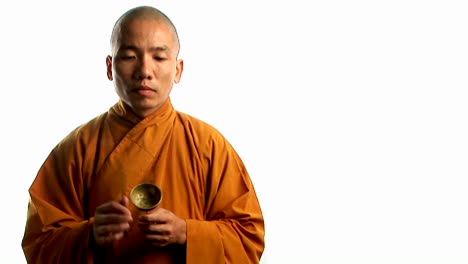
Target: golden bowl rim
point(147, 184)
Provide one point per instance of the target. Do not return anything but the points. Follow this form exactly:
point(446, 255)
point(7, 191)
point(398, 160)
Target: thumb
point(124, 201)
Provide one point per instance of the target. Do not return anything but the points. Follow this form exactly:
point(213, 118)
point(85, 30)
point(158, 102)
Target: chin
point(145, 106)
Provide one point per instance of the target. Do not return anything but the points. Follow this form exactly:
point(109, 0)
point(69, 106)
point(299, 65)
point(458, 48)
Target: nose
point(143, 70)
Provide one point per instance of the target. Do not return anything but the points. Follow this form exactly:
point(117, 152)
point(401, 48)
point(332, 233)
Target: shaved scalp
point(142, 12)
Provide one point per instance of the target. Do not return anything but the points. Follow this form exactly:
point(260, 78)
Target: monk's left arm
point(233, 231)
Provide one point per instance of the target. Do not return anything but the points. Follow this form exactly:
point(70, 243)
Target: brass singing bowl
point(146, 196)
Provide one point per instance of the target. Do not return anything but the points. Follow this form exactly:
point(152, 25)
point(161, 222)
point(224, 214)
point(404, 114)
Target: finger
point(103, 219)
point(160, 215)
point(157, 239)
point(109, 238)
point(124, 201)
point(162, 229)
point(109, 233)
point(104, 230)
point(112, 207)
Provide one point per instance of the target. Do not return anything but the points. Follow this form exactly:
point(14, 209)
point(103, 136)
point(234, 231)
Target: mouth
point(144, 90)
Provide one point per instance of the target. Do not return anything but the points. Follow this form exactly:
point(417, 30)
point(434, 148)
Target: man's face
point(144, 65)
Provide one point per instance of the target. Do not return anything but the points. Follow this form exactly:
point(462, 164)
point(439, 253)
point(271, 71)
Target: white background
point(351, 116)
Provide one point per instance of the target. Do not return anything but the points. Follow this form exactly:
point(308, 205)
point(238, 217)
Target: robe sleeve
point(233, 231)
point(57, 230)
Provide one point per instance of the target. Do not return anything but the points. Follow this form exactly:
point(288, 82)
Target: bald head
point(143, 13)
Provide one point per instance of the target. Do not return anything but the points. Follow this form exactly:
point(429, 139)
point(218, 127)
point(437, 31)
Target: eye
point(127, 57)
point(159, 58)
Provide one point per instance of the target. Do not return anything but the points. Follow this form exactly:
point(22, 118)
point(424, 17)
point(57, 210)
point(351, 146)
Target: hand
point(111, 221)
point(162, 228)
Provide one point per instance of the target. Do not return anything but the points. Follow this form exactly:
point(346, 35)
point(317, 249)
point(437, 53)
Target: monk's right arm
point(57, 229)
point(71, 242)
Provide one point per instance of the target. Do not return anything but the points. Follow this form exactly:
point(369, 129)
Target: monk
point(79, 209)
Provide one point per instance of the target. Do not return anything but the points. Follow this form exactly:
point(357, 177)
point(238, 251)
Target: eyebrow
point(155, 48)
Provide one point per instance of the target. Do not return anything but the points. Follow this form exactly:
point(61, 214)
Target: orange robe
point(202, 178)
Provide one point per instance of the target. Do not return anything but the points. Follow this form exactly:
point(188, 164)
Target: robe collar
point(164, 112)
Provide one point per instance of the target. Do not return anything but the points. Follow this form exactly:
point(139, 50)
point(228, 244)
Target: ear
point(179, 70)
point(109, 68)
